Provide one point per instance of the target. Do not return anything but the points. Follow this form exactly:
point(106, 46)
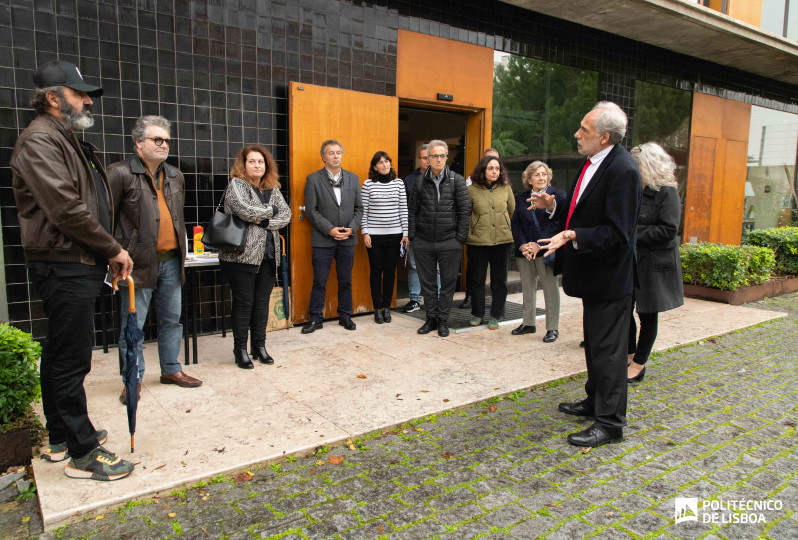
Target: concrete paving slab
point(313, 395)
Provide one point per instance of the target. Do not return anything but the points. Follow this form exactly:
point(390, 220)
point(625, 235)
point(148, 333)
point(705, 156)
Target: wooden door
point(363, 124)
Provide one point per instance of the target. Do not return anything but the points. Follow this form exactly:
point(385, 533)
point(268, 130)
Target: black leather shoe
point(466, 303)
point(312, 326)
point(577, 408)
point(443, 328)
point(428, 327)
point(582, 344)
point(242, 359)
point(259, 353)
point(347, 323)
point(638, 377)
point(386, 314)
point(378, 318)
point(551, 336)
point(524, 329)
point(595, 436)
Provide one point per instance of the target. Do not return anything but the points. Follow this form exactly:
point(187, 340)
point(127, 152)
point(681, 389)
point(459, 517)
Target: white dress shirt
point(336, 190)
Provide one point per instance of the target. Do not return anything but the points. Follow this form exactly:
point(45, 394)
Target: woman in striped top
point(384, 228)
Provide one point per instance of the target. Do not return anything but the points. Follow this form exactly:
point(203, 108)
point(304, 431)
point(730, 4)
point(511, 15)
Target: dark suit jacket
point(604, 267)
point(324, 212)
point(524, 229)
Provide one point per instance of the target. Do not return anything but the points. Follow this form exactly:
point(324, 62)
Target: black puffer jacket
point(436, 220)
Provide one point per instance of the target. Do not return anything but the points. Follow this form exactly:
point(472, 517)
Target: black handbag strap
point(223, 196)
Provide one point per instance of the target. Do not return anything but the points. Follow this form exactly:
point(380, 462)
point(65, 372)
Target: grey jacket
point(324, 212)
point(242, 200)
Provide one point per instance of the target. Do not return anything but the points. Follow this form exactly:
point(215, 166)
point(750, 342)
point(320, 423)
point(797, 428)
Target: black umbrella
point(284, 265)
point(133, 336)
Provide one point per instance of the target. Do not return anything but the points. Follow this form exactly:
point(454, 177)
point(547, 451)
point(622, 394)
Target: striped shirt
point(384, 207)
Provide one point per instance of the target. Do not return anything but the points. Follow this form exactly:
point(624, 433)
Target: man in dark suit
point(334, 208)
point(599, 265)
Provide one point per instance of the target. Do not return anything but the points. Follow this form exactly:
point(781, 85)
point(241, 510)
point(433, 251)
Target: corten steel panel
point(363, 124)
point(699, 188)
point(718, 181)
point(707, 116)
point(736, 121)
point(731, 214)
point(428, 65)
point(747, 11)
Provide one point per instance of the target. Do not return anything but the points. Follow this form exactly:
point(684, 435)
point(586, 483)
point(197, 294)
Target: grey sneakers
point(99, 464)
point(58, 452)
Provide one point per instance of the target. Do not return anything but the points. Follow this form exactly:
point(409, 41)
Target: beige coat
point(491, 209)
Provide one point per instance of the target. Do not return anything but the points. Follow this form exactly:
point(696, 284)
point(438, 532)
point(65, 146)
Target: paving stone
point(327, 509)
point(421, 493)
point(458, 514)
point(330, 527)
point(574, 528)
point(409, 515)
point(535, 527)
point(369, 531)
point(378, 508)
point(423, 530)
point(468, 531)
point(497, 498)
point(506, 516)
point(644, 523)
point(453, 498)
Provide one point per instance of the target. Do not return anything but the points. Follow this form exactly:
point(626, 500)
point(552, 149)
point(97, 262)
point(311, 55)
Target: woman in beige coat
point(490, 239)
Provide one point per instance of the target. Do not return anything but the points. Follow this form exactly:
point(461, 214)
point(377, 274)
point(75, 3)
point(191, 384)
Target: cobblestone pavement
point(715, 421)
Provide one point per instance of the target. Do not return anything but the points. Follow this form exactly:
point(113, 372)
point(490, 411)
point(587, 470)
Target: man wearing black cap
point(65, 216)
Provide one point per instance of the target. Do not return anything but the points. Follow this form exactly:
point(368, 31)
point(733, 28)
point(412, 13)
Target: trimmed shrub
point(784, 243)
point(726, 267)
point(19, 376)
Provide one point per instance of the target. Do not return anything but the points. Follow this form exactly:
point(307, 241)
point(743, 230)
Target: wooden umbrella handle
point(131, 293)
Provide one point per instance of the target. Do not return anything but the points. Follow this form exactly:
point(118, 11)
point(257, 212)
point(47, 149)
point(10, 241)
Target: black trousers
point(429, 256)
point(68, 303)
point(383, 254)
point(606, 326)
point(323, 257)
point(479, 257)
point(251, 293)
point(642, 346)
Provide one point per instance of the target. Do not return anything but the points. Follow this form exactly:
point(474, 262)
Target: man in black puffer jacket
point(438, 213)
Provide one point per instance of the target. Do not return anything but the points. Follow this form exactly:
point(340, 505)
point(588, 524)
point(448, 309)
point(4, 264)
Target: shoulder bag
point(225, 232)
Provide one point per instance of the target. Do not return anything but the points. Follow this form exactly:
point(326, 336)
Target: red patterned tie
point(576, 193)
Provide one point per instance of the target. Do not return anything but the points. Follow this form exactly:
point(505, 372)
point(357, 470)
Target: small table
point(194, 263)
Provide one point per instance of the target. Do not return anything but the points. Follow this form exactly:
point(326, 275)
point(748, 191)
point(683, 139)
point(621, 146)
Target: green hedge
point(19, 378)
point(726, 267)
point(784, 243)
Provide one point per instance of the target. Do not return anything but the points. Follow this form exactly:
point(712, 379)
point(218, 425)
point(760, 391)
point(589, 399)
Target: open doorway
point(418, 126)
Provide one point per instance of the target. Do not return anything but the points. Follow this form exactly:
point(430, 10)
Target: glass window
point(662, 115)
point(537, 107)
point(770, 199)
point(780, 17)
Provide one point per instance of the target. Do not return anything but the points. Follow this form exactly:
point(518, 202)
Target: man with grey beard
point(66, 216)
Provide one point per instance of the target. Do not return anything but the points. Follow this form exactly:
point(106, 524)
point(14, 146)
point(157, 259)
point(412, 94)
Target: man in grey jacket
point(334, 208)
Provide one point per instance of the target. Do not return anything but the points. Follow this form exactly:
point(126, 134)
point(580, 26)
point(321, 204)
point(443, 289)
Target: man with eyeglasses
point(148, 198)
point(438, 213)
point(66, 222)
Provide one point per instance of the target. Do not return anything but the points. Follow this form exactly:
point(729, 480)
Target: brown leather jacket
point(138, 216)
point(56, 196)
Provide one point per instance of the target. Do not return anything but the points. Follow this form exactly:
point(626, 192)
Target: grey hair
point(38, 98)
point(485, 153)
point(330, 142)
point(612, 120)
point(657, 168)
point(530, 170)
point(143, 122)
point(437, 142)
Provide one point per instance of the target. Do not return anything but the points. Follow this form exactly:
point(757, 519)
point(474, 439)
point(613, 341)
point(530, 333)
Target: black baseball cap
point(60, 73)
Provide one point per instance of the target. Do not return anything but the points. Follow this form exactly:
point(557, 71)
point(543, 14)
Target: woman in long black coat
point(659, 266)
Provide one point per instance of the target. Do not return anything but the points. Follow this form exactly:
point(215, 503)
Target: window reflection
point(662, 115)
point(537, 107)
point(770, 199)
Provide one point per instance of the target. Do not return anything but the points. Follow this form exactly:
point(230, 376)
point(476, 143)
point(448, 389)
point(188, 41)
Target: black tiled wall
point(220, 69)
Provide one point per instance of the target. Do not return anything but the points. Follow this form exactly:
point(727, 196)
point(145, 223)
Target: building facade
point(387, 75)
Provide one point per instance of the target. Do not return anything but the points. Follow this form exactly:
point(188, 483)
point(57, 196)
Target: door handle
point(301, 216)
point(301, 208)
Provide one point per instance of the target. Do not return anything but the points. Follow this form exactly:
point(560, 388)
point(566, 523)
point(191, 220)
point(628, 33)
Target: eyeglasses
point(159, 141)
point(437, 156)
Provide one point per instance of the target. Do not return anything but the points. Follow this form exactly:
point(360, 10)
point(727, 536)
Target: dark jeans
point(68, 303)
point(649, 324)
point(251, 293)
point(479, 257)
point(429, 257)
point(323, 257)
point(606, 326)
point(383, 254)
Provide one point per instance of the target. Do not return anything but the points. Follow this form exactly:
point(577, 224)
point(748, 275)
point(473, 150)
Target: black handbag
point(225, 232)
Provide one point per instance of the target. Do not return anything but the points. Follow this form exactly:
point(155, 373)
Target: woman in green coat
point(490, 238)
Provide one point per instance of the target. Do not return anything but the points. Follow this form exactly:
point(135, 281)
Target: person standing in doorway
point(334, 208)
point(413, 283)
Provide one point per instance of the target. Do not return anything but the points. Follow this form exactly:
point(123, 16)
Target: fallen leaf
point(320, 462)
point(160, 467)
point(98, 518)
point(420, 429)
point(166, 507)
point(361, 376)
point(555, 505)
point(205, 498)
point(171, 514)
point(336, 460)
point(492, 408)
point(245, 476)
point(789, 423)
point(447, 455)
point(425, 391)
point(206, 532)
point(404, 431)
point(26, 519)
point(610, 514)
point(183, 463)
point(379, 528)
point(584, 450)
point(446, 401)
